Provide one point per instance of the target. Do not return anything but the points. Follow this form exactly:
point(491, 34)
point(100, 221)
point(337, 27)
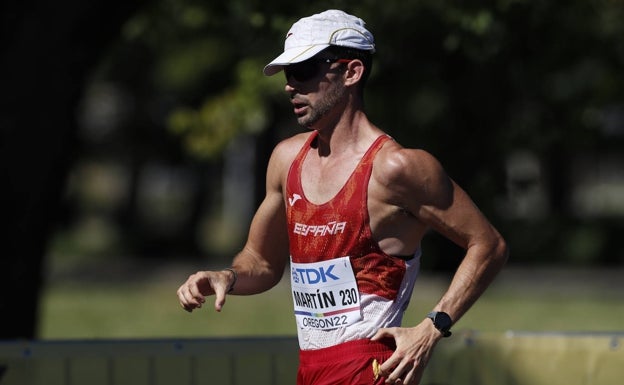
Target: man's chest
point(323, 181)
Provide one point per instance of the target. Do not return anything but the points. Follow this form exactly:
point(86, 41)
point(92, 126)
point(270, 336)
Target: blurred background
point(135, 136)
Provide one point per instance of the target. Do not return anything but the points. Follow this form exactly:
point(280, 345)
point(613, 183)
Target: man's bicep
point(440, 203)
point(268, 236)
point(460, 220)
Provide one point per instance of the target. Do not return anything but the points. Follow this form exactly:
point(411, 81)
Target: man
point(350, 206)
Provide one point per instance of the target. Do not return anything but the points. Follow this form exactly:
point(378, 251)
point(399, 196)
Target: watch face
point(442, 321)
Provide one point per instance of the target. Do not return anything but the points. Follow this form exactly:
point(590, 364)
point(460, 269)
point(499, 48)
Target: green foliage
point(470, 82)
point(206, 60)
point(241, 109)
point(502, 69)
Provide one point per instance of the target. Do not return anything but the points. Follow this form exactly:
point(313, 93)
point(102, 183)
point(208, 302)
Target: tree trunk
point(48, 49)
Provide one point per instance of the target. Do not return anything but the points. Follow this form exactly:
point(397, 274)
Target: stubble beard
point(323, 106)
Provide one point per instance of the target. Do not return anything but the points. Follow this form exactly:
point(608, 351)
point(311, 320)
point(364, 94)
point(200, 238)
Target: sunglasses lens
point(302, 72)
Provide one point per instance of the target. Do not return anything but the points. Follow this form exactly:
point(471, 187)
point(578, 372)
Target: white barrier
point(523, 358)
point(149, 362)
point(468, 358)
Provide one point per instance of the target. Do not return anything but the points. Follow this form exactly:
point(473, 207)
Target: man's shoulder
point(296, 140)
point(286, 150)
point(396, 161)
point(408, 175)
point(290, 146)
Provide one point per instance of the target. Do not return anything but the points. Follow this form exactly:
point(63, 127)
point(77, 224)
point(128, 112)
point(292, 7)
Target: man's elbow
point(500, 251)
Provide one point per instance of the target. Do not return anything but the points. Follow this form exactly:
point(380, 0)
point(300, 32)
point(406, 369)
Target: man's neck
point(352, 132)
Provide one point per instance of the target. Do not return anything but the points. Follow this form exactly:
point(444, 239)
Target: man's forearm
point(254, 273)
point(473, 276)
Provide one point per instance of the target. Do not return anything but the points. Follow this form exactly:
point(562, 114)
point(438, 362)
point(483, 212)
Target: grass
point(151, 310)
point(145, 306)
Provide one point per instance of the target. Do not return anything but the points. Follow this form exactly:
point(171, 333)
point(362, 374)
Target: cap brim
point(291, 56)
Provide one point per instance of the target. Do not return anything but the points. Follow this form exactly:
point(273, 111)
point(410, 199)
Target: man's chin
point(303, 122)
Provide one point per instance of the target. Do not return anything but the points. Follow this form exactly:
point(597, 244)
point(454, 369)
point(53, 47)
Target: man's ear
point(354, 72)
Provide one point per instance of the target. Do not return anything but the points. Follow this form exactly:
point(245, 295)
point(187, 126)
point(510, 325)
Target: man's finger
point(414, 376)
point(398, 373)
point(188, 300)
point(219, 298)
point(382, 333)
point(196, 296)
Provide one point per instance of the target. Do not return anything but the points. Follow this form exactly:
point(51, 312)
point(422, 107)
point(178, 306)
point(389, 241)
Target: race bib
point(325, 294)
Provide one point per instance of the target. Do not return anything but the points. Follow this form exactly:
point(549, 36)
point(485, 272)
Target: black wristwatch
point(442, 322)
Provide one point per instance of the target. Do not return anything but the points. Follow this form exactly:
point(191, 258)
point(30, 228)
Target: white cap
point(310, 35)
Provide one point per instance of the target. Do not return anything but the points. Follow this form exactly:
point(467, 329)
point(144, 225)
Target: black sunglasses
point(308, 69)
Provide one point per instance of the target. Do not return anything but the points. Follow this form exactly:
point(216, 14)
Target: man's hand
point(414, 347)
point(201, 284)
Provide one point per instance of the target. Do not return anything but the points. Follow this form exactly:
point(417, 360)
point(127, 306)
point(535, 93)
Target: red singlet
point(340, 228)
